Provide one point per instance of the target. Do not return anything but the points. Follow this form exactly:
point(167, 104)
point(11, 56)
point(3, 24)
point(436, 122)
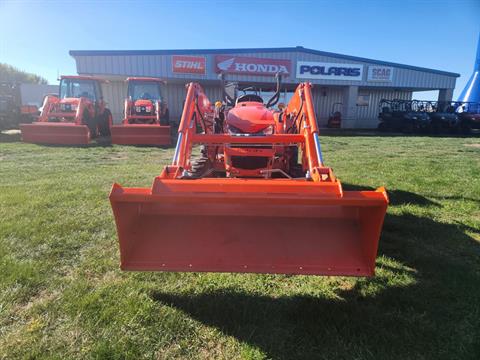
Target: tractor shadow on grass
point(430, 311)
point(396, 197)
point(401, 197)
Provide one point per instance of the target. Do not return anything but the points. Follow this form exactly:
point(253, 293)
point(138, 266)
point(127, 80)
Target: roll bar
point(231, 101)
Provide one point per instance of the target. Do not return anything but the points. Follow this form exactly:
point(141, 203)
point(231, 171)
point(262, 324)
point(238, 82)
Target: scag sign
point(188, 64)
point(380, 73)
point(329, 71)
point(251, 66)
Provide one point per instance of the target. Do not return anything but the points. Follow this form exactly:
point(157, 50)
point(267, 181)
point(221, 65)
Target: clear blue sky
point(36, 35)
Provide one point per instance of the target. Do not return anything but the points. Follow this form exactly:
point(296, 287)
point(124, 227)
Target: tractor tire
point(408, 128)
point(454, 130)
point(3, 123)
point(200, 167)
point(295, 169)
point(90, 122)
point(465, 129)
point(104, 122)
point(382, 127)
point(165, 119)
point(436, 128)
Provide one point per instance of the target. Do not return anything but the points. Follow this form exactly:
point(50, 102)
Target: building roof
point(250, 50)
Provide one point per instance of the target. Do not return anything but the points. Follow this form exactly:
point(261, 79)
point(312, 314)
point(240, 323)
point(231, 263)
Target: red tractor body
point(146, 119)
point(74, 117)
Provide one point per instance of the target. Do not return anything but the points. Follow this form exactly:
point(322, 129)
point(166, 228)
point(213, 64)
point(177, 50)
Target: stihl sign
point(251, 66)
point(188, 64)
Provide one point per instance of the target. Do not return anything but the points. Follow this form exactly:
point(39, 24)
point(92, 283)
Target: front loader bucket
point(247, 225)
point(141, 134)
point(55, 133)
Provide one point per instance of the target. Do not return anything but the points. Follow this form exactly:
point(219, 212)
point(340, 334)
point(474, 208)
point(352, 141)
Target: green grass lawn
point(62, 294)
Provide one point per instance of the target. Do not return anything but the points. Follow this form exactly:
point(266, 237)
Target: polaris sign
point(329, 71)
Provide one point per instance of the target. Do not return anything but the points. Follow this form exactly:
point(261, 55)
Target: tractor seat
point(250, 97)
point(85, 95)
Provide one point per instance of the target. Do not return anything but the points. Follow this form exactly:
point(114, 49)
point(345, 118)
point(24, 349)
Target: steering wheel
point(250, 97)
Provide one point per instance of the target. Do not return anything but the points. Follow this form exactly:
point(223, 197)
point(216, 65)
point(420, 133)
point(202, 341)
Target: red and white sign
point(251, 66)
point(188, 64)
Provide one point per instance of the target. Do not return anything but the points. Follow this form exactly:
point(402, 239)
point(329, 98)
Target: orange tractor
point(146, 115)
point(78, 114)
point(258, 197)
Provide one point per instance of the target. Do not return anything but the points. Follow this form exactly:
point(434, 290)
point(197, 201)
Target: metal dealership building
point(351, 84)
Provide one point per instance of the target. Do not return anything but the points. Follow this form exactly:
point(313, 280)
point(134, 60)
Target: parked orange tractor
point(258, 198)
point(146, 119)
point(78, 114)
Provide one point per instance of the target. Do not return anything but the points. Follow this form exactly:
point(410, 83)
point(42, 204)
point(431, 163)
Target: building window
point(363, 100)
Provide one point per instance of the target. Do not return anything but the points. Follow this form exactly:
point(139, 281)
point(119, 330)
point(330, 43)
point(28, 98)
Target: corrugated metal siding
point(323, 99)
point(214, 93)
point(175, 94)
point(114, 93)
point(367, 116)
point(160, 65)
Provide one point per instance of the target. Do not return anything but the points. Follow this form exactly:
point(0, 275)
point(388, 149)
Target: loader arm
point(300, 112)
point(197, 111)
point(48, 104)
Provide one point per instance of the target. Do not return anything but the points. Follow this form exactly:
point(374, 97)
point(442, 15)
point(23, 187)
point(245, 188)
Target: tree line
point(9, 73)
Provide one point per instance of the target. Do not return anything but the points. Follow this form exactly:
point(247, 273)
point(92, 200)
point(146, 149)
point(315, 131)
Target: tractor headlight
point(138, 109)
point(74, 107)
point(148, 108)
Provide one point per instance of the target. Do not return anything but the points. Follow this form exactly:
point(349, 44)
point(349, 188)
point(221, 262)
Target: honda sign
point(251, 66)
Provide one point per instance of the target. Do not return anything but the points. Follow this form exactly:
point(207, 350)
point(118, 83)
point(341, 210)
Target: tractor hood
point(73, 101)
point(250, 117)
point(68, 104)
point(143, 102)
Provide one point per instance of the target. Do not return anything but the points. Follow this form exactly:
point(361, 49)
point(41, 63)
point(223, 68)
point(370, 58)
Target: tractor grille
point(67, 108)
point(249, 162)
point(142, 111)
point(253, 145)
